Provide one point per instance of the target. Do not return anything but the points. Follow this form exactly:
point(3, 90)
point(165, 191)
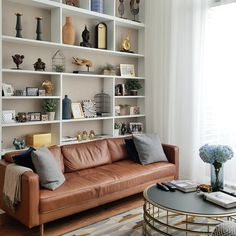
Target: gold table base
point(161, 221)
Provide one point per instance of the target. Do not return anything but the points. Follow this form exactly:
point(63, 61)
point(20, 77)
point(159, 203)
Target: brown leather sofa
point(96, 173)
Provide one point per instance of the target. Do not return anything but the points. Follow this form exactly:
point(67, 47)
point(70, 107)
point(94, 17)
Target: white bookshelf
point(77, 86)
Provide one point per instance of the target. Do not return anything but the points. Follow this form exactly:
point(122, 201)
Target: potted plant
point(133, 85)
point(49, 107)
point(116, 129)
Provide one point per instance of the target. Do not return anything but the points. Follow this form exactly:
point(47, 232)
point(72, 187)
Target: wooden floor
point(10, 227)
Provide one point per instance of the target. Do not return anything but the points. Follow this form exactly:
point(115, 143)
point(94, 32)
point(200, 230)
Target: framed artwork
point(8, 116)
point(42, 92)
point(7, 90)
point(89, 108)
point(127, 70)
point(31, 91)
point(77, 110)
point(34, 116)
point(136, 127)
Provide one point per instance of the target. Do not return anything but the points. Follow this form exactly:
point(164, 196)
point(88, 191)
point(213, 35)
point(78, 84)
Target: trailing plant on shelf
point(133, 85)
point(49, 107)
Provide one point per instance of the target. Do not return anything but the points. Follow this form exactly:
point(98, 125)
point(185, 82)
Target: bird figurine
point(134, 10)
point(18, 59)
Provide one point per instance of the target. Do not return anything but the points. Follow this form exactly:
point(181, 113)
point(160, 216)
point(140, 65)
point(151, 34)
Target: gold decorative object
point(82, 62)
point(91, 134)
point(38, 140)
point(126, 45)
point(84, 135)
point(68, 32)
point(79, 137)
point(101, 36)
point(47, 85)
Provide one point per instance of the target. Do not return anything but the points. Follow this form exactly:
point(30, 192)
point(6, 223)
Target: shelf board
point(30, 123)
point(33, 42)
point(30, 97)
point(87, 14)
point(129, 23)
point(123, 97)
point(30, 72)
point(46, 4)
point(87, 119)
point(129, 116)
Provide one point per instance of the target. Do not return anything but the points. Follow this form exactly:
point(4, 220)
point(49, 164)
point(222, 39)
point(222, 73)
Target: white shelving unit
point(77, 86)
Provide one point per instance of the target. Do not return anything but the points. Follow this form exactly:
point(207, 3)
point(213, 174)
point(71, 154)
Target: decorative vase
point(39, 28)
point(217, 176)
point(66, 108)
point(18, 25)
point(97, 5)
point(51, 115)
point(68, 32)
point(133, 92)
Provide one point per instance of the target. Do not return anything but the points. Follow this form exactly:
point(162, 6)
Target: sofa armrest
point(27, 211)
point(172, 154)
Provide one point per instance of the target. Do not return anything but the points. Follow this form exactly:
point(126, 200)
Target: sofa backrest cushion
point(85, 155)
point(117, 149)
point(57, 154)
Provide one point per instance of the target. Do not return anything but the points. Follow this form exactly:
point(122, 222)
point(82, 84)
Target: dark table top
point(191, 203)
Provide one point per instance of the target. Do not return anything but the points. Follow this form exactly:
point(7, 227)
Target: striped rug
point(125, 224)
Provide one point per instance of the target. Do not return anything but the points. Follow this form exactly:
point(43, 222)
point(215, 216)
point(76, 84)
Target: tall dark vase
point(39, 28)
point(66, 108)
point(18, 25)
point(217, 176)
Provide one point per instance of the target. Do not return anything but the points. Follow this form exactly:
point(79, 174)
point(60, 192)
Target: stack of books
point(185, 185)
point(222, 199)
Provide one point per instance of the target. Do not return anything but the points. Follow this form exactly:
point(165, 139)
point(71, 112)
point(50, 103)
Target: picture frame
point(42, 92)
point(77, 110)
point(8, 116)
point(44, 117)
point(7, 90)
point(136, 127)
point(34, 116)
point(32, 91)
point(127, 70)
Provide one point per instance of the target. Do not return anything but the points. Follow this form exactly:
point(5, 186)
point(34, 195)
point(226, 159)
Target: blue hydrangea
point(215, 153)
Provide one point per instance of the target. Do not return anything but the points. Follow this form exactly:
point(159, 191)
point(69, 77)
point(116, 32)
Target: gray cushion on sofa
point(149, 148)
point(49, 171)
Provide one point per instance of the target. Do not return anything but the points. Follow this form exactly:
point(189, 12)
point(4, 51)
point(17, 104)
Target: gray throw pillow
point(149, 148)
point(50, 174)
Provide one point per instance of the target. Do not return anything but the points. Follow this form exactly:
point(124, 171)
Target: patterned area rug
point(125, 224)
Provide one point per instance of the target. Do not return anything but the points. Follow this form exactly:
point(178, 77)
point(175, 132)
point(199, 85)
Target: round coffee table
point(167, 213)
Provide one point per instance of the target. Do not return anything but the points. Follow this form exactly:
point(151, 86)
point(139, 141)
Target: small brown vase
point(68, 32)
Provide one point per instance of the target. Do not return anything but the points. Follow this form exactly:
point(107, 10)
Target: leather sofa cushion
point(80, 187)
point(128, 174)
point(85, 155)
point(117, 149)
point(55, 150)
point(88, 185)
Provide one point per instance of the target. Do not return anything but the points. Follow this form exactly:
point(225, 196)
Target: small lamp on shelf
point(58, 62)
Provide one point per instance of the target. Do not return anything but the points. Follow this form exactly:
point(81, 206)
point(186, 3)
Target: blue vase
point(217, 176)
point(97, 5)
point(66, 108)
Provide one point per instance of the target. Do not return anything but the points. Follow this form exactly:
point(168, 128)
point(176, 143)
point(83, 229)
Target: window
point(218, 109)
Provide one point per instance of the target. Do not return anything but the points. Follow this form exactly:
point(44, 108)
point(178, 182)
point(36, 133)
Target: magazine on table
point(222, 199)
point(185, 185)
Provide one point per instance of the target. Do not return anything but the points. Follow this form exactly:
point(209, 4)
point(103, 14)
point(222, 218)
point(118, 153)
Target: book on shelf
point(185, 185)
point(222, 199)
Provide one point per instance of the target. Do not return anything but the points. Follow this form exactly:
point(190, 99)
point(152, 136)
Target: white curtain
point(218, 120)
point(174, 46)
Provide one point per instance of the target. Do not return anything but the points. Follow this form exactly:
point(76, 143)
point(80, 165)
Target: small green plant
point(133, 84)
point(50, 105)
point(116, 125)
